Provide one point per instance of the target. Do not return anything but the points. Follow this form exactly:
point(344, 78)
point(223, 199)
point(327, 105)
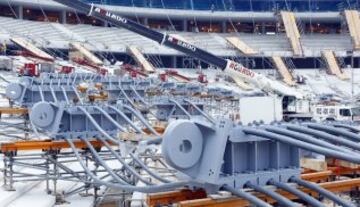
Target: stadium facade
point(320, 23)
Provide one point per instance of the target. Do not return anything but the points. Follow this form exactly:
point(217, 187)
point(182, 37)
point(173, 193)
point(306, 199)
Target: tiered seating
point(353, 21)
point(315, 43)
point(53, 35)
point(140, 59)
point(31, 29)
point(332, 65)
point(283, 70)
point(241, 46)
point(204, 41)
point(292, 32)
point(267, 45)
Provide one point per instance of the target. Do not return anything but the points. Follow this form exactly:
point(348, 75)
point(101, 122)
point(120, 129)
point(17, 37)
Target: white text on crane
point(110, 15)
point(181, 43)
point(241, 69)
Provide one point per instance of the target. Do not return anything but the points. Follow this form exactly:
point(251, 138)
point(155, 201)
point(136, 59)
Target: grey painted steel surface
point(62, 121)
point(29, 91)
point(221, 153)
point(212, 155)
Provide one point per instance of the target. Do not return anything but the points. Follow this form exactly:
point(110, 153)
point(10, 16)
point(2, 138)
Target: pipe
point(182, 108)
point(77, 94)
point(102, 162)
point(142, 119)
point(53, 94)
point(110, 119)
point(152, 141)
point(41, 93)
point(126, 96)
point(307, 138)
point(112, 151)
point(127, 167)
point(303, 145)
point(305, 197)
point(247, 196)
point(321, 191)
point(97, 126)
point(200, 111)
point(138, 95)
point(323, 135)
point(331, 129)
point(347, 127)
point(279, 198)
point(147, 169)
point(129, 188)
point(65, 95)
point(126, 118)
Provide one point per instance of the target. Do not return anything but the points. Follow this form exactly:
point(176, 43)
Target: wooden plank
point(313, 164)
point(166, 198)
point(317, 176)
point(13, 111)
point(342, 163)
point(44, 145)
